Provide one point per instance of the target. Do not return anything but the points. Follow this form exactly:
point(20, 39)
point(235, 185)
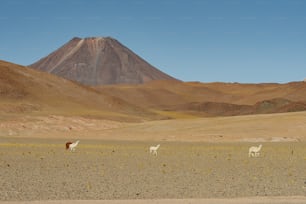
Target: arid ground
point(41, 169)
point(198, 158)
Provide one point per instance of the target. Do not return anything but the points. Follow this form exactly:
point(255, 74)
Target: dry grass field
point(41, 169)
point(198, 158)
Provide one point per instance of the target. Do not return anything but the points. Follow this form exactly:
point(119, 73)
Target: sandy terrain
point(288, 127)
point(41, 169)
point(199, 159)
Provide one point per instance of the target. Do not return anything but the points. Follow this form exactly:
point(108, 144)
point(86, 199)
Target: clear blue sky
point(248, 41)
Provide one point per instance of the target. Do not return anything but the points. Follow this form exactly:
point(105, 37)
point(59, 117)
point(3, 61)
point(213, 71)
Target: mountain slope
point(24, 90)
point(96, 61)
point(213, 99)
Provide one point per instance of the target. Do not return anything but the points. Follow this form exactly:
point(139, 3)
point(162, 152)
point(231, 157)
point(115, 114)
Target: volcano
point(97, 61)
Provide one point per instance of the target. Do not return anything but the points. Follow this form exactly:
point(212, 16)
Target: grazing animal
point(153, 149)
point(67, 145)
point(71, 146)
point(254, 151)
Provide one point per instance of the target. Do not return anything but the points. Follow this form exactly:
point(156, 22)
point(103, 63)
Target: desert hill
point(97, 61)
point(38, 104)
point(181, 99)
point(27, 91)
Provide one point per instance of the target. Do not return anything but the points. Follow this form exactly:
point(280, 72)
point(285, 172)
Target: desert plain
point(198, 159)
point(205, 131)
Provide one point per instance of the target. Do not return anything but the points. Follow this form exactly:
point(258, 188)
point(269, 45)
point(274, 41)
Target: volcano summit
point(97, 61)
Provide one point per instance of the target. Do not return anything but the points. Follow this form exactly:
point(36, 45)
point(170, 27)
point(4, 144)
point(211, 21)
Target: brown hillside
point(213, 99)
point(24, 90)
point(253, 93)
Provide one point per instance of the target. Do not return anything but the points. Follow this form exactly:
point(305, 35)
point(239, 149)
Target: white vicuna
point(254, 151)
point(73, 145)
point(153, 149)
